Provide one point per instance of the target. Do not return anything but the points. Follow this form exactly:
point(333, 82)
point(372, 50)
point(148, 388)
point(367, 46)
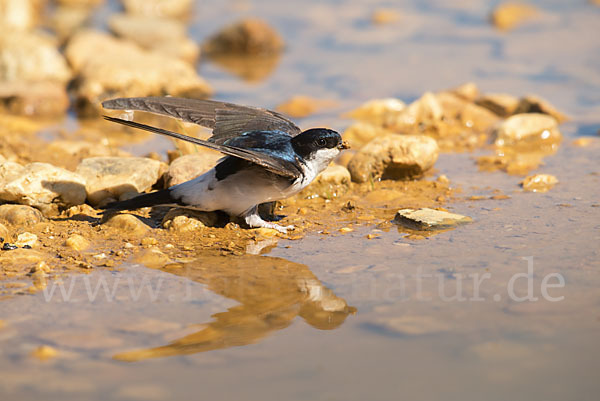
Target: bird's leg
point(252, 218)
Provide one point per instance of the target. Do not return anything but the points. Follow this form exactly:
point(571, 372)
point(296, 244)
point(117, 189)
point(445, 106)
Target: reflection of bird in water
point(271, 293)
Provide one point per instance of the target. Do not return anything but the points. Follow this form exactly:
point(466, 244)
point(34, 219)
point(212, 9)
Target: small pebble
point(539, 183)
point(443, 179)
point(149, 241)
point(44, 352)
point(583, 141)
point(8, 247)
point(26, 239)
point(385, 16)
point(77, 242)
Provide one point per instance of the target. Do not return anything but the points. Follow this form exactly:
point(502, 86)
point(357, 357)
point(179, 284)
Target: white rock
point(18, 14)
point(377, 111)
point(31, 57)
point(10, 171)
point(539, 183)
point(426, 218)
point(394, 156)
point(43, 186)
point(334, 174)
point(527, 128)
point(26, 239)
point(423, 110)
point(111, 177)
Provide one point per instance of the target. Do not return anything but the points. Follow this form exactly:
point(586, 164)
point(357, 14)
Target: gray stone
point(108, 178)
point(395, 157)
point(43, 186)
point(429, 219)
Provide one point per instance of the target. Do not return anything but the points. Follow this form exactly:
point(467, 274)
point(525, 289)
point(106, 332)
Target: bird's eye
point(321, 142)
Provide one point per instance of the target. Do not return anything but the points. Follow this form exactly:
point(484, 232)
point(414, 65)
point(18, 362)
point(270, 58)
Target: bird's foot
point(255, 221)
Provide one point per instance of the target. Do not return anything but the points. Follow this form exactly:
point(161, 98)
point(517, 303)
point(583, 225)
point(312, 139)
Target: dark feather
point(277, 165)
point(229, 166)
point(227, 120)
point(158, 198)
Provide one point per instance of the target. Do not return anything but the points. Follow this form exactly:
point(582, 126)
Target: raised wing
point(227, 120)
point(276, 165)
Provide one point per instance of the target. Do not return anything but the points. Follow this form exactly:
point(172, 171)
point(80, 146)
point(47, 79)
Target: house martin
point(268, 157)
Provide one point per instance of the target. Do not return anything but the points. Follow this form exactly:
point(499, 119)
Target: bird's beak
point(343, 145)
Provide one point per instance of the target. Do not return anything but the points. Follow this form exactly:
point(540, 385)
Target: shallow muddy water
point(506, 307)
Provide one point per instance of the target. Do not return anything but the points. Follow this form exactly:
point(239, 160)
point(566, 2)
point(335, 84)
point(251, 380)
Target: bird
point(266, 157)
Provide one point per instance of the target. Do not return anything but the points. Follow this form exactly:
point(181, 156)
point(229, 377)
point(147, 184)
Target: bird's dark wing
point(284, 168)
point(227, 120)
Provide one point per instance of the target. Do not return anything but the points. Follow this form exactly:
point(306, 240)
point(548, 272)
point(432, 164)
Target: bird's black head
point(310, 141)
